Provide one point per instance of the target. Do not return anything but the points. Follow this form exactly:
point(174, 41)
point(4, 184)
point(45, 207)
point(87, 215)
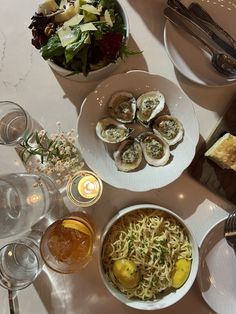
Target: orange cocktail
point(67, 244)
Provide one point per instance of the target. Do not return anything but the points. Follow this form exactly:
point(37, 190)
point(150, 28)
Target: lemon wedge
point(126, 272)
point(76, 225)
point(182, 270)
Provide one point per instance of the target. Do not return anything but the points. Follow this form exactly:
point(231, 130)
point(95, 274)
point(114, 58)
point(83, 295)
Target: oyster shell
point(169, 128)
point(122, 107)
point(149, 105)
point(111, 131)
point(155, 150)
point(128, 156)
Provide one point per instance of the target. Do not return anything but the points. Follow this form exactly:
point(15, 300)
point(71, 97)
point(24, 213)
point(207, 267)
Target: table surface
point(26, 78)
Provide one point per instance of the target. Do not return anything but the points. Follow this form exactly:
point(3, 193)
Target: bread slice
point(223, 152)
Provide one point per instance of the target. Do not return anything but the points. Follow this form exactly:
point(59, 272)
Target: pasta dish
point(141, 252)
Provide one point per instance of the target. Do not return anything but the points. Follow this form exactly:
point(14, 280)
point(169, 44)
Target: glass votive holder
point(15, 123)
point(84, 188)
point(67, 244)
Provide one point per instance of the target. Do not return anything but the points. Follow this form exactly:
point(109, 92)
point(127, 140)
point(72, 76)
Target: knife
point(188, 16)
point(197, 10)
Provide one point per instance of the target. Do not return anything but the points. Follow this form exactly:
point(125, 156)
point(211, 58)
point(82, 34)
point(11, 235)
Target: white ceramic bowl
point(168, 299)
point(97, 74)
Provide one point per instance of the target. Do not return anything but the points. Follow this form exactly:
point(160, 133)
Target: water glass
point(15, 123)
point(20, 263)
point(67, 244)
point(24, 199)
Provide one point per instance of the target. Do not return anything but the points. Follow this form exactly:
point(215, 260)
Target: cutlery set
point(199, 24)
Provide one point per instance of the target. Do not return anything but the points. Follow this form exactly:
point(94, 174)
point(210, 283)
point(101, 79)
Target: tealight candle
point(85, 188)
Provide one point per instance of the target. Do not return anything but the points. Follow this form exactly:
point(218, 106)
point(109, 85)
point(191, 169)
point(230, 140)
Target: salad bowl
point(81, 40)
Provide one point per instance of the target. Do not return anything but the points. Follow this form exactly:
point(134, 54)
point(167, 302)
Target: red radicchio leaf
point(110, 45)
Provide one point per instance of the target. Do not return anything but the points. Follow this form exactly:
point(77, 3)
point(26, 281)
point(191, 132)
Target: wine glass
point(20, 264)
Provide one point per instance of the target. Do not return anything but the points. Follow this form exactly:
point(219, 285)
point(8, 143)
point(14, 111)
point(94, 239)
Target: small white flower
point(41, 133)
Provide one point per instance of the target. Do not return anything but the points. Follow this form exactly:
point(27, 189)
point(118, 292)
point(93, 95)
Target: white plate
point(95, 152)
point(217, 271)
point(184, 51)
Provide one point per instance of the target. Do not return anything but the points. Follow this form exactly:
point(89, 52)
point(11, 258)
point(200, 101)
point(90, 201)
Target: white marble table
point(26, 79)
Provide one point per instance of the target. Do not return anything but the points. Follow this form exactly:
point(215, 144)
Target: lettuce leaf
point(72, 49)
point(52, 48)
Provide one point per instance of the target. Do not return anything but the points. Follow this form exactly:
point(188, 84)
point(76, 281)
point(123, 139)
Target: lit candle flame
point(88, 187)
point(32, 199)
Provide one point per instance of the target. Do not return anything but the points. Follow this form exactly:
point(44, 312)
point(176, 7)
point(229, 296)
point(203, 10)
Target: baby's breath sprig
point(54, 154)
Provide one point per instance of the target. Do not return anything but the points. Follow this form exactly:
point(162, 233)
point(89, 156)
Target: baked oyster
point(111, 131)
point(169, 128)
point(149, 105)
point(122, 107)
point(155, 150)
point(128, 156)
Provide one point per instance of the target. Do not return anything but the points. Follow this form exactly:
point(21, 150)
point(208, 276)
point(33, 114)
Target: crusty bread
point(223, 152)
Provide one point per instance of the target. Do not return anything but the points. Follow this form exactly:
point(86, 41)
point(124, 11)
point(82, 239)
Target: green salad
point(80, 35)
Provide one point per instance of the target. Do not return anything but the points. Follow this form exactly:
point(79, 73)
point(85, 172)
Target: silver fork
point(230, 230)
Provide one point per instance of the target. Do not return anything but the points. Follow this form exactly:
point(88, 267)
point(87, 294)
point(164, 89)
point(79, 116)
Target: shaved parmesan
point(87, 27)
point(74, 20)
point(107, 17)
point(66, 35)
point(90, 8)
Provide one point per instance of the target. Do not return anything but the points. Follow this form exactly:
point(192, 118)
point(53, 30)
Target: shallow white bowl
point(97, 74)
point(96, 153)
point(168, 299)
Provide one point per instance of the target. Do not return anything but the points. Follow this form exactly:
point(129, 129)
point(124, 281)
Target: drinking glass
point(67, 244)
point(15, 123)
point(20, 263)
point(24, 199)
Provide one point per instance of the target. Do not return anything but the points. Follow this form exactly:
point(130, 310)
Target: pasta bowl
point(141, 249)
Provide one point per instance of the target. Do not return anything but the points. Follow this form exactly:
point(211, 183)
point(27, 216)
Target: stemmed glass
point(20, 264)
